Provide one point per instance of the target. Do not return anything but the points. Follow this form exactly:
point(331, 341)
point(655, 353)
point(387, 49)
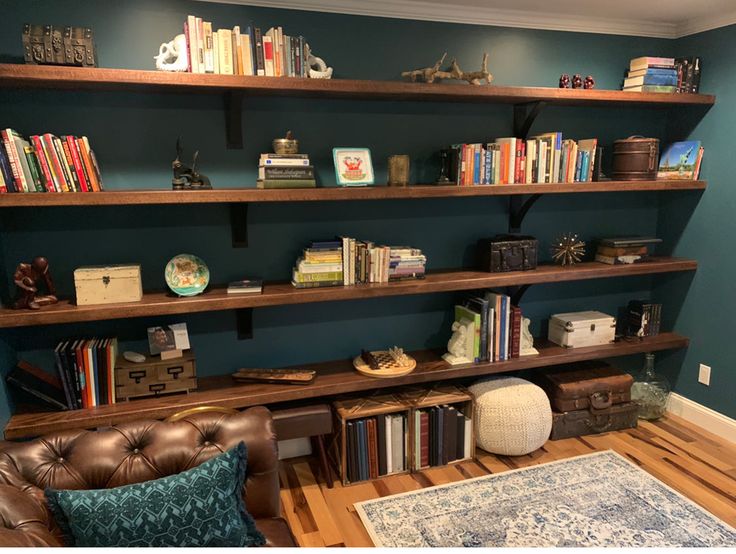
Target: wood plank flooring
point(694, 462)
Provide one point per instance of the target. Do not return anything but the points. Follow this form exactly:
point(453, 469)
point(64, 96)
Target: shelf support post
point(524, 116)
point(518, 208)
point(239, 224)
point(516, 293)
point(244, 323)
point(234, 119)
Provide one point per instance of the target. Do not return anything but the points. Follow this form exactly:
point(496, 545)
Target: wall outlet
point(704, 375)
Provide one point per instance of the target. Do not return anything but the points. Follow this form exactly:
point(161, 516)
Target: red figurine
point(577, 81)
point(27, 278)
point(589, 82)
point(564, 81)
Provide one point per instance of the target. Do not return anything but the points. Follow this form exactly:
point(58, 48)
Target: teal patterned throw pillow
point(202, 506)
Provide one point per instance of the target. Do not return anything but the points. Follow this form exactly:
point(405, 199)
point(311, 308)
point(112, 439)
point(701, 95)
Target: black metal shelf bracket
point(239, 224)
point(244, 323)
point(516, 293)
point(519, 205)
point(524, 117)
point(234, 119)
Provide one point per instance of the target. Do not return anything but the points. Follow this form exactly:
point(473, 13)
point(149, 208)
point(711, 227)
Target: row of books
point(47, 163)
point(250, 52)
point(625, 250)
point(86, 369)
point(277, 171)
point(444, 435)
point(546, 158)
point(670, 75)
point(376, 446)
point(495, 324)
point(644, 318)
point(348, 261)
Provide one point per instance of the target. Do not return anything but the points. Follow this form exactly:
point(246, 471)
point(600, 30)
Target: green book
point(286, 184)
point(461, 312)
point(34, 166)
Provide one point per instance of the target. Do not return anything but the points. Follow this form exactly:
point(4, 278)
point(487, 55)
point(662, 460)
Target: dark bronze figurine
point(564, 81)
point(27, 278)
point(188, 178)
point(589, 83)
point(577, 81)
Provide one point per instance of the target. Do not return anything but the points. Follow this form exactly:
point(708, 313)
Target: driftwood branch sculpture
point(431, 74)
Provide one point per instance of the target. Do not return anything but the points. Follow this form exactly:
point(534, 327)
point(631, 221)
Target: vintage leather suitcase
point(155, 376)
point(594, 386)
point(508, 253)
point(582, 422)
point(635, 159)
point(49, 45)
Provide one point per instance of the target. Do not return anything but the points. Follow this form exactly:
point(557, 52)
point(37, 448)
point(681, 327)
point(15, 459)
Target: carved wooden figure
point(28, 278)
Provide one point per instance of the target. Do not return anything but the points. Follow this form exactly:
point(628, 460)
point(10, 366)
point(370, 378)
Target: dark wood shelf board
point(278, 294)
point(326, 194)
point(75, 78)
point(334, 378)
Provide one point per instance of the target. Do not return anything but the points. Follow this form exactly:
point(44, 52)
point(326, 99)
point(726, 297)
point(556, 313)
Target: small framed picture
point(353, 166)
point(168, 338)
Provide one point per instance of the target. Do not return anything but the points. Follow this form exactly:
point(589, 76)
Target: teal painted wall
point(134, 136)
point(707, 305)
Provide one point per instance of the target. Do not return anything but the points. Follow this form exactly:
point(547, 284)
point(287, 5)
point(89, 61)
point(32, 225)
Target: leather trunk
point(635, 159)
point(582, 422)
point(594, 386)
point(504, 253)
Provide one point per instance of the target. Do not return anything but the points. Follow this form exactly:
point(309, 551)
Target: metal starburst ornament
point(567, 249)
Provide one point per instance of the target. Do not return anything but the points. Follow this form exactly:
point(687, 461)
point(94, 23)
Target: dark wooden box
point(504, 253)
point(49, 45)
point(586, 386)
point(635, 159)
point(582, 422)
point(155, 376)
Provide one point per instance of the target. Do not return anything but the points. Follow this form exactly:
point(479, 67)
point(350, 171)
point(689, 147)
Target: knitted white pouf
point(512, 416)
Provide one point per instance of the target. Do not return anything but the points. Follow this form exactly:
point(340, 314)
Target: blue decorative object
point(202, 506)
point(598, 500)
point(187, 275)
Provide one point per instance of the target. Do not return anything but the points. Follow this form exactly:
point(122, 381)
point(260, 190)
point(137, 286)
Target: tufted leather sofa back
point(145, 450)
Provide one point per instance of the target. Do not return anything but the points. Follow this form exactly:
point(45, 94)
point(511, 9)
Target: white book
point(352, 261)
point(192, 40)
point(215, 53)
point(542, 162)
point(283, 162)
point(247, 55)
point(389, 444)
point(507, 338)
point(237, 49)
point(209, 54)
point(225, 50)
point(397, 442)
point(468, 446)
point(268, 64)
point(200, 44)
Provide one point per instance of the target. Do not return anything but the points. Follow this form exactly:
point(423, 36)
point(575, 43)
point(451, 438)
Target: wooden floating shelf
point(333, 378)
point(76, 78)
point(277, 294)
point(327, 194)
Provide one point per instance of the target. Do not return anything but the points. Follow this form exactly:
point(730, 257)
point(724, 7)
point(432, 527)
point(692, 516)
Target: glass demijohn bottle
point(650, 391)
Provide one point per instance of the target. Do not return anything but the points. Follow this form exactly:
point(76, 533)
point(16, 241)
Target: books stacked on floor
point(246, 51)
point(348, 261)
point(625, 250)
point(246, 286)
point(644, 318)
point(546, 158)
point(47, 163)
point(496, 325)
point(444, 435)
point(285, 171)
point(376, 446)
point(87, 371)
point(669, 75)
point(681, 160)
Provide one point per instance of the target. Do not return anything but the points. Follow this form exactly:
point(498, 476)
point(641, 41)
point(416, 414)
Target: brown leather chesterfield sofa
point(131, 453)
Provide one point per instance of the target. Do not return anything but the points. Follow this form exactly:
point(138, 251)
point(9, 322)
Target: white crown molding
point(449, 13)
point(704, 417)
point(707, 23)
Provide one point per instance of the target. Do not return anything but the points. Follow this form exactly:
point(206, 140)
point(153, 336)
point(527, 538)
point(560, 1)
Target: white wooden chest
point(576, 329)
point(108, 284)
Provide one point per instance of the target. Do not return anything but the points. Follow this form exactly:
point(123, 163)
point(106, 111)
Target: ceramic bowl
point(187, 275)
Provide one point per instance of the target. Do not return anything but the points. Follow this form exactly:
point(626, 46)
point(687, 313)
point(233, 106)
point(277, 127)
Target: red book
point(71, 143)
point(12, 155)
point(515, 331)
point(423, 439)
point(517, 161)
point(372, 448)
point(43, 162)
point(55, 162)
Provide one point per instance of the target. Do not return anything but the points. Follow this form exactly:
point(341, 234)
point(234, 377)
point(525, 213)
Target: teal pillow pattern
point(202, 506)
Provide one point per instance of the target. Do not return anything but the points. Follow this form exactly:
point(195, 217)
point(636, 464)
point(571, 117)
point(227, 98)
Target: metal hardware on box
point(137, 375)
point(598, 427)
point(592, 326)
point(175, 371)
point(158, 387)
point(106, 280)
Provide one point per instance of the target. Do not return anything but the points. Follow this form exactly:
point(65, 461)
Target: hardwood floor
point(696, 463)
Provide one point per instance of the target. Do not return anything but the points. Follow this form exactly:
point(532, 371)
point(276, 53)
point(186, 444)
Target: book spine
point(95, 166)
point(43, 163)
point(191, 36)
point(33, 168)
point(515, 331)
point(63, 377)
point(12, 154)
point(268, 56)
point(7, 174)
point(372, 449)
point(209, 55)
point(423, 439)
point(258, 49)
point(49, 148)
point(87, 163)
point(72, 173)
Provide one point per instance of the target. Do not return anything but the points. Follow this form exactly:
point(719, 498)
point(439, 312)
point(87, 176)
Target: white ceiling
point(652, 18)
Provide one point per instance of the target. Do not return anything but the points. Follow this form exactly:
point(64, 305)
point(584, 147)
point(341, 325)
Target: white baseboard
point(699, 415)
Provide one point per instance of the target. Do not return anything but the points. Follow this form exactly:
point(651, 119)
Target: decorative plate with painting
point(187, 275)
point(353, 166)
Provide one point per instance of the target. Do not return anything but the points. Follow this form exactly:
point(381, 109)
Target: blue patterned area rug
point(598, 499)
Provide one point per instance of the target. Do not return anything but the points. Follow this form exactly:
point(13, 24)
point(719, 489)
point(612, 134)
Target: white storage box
point(575, 329)
point(108, 284)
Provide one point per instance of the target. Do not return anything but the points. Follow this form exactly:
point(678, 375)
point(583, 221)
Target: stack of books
point(670, 75)
point(644, 318)
point(348, 261)
point(496, 325)
point(546, 158)
point(246, 52)
point(376, 446)
point(246, 286)
point(681, 160)
point(285, 171)
point(444, 435)
point(624, 250)
point(47, 163)
point(87, 371)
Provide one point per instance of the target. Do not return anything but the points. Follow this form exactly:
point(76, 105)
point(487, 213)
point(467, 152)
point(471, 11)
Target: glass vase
point(650, 391)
